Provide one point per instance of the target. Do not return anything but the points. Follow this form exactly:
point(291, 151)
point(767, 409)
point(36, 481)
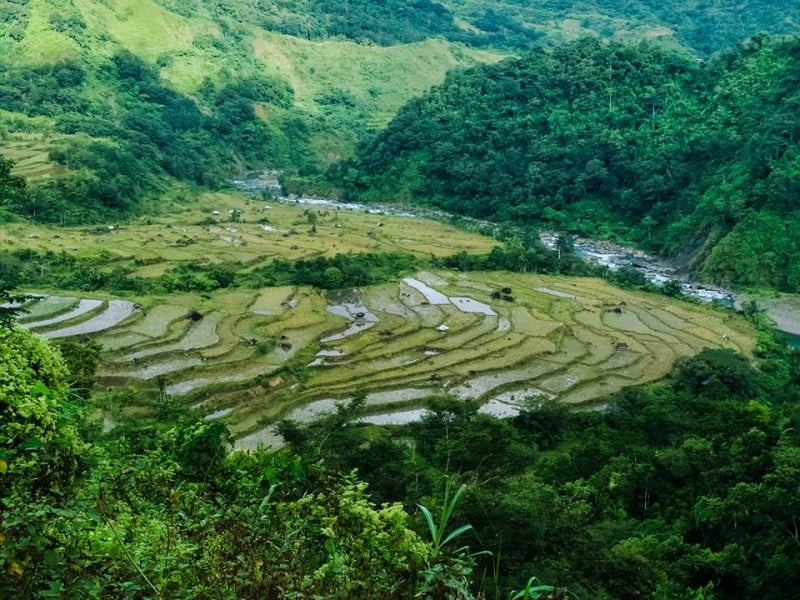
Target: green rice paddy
point(254, 358)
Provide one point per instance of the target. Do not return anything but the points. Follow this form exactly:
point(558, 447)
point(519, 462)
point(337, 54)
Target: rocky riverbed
point(656, 270)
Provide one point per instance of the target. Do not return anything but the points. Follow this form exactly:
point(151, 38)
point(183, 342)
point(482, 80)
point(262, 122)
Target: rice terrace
point(254, 356)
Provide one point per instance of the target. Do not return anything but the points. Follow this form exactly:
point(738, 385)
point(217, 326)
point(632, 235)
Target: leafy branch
point(438, 536)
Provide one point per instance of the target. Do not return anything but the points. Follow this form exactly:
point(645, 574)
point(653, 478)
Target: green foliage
point(607, 140)
point(705, 28)
point(34, 428)
point(81, 358)
point(506, 24)
point(385, 23)
point(719, 373)
point(516, 256)
point(162, 510)
point(678, 486)
point(439, 536)
point(629, 502)
point(12, 188)
point(541, 133)
point(532, 591)
point(99, 272)
point(201, 448)
point(14, 17)
point(41, 449)
point(11, 304)
point(450, 571)
point(139, 131)
point(544, 426)
point(340, 271)
point(777, 262)
point(630, 278)
point(129, 128)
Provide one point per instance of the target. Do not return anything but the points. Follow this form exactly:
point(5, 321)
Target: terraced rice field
point(201, 231)
point(256, 356)
point(29, 151)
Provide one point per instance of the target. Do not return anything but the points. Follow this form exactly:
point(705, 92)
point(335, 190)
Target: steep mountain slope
point(191, 42)
point(115, 98)
point(704, 27)
point(610, 140)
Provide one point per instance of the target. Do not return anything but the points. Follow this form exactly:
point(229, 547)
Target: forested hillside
point(704, 27)
point(513, 24)
point(119, 129)
point(105, 104)
point(113, 101)
point(609, 140)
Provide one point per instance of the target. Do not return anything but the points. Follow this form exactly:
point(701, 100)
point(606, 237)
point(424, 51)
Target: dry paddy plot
point(201, 231)
point(254, 356)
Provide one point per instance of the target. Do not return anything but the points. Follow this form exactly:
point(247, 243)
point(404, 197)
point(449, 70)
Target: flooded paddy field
point(253, 357)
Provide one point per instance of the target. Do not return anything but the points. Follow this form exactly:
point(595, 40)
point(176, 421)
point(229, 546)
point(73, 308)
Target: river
point(784, 311)
point(656, 270)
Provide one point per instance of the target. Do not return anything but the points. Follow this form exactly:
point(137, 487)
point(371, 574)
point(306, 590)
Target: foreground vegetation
point(631, 502)
point(190, 522)
point(686, 484)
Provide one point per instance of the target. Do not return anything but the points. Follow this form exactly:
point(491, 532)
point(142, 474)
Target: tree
point(564, 244)
point(40, 452)
point(333, 278)
point(719, 373)
point(10, 306)
point(13, 191)
point(672, 288)
point(648, 222)
point(201, 448)
point(516, 257)
point(81, 359)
